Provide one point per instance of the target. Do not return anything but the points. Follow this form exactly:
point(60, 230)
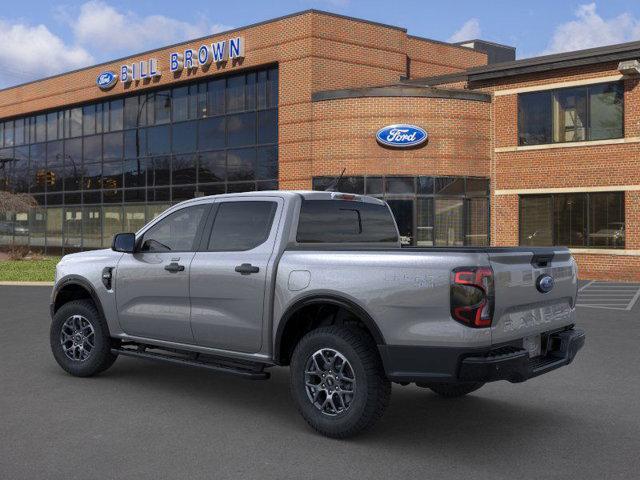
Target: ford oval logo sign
point(545, 283)
point(401, 136)
point(106, 80)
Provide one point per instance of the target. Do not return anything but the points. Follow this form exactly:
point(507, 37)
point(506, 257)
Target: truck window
point(241, 225)
point(176, 232)
point(337, 221)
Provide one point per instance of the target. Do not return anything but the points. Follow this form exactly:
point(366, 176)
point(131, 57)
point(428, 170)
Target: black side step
point(242, 370)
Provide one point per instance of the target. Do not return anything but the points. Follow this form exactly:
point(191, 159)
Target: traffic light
point(44, 177)
point(41, 178)
point(109, 184)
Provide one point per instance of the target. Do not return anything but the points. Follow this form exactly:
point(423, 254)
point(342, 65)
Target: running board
point(233, 369)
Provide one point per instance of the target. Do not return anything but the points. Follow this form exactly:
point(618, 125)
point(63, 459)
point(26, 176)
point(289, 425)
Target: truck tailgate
point(521, 308)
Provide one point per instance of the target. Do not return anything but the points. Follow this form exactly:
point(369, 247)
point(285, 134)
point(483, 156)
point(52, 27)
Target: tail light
point(472, 296)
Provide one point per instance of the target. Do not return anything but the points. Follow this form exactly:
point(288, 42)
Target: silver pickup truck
point(316, 281)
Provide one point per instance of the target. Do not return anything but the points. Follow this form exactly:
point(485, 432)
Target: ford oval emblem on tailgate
point(545, 283)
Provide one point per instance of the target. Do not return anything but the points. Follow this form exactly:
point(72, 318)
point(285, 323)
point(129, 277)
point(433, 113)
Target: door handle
point(247, 269)
point(174, 268)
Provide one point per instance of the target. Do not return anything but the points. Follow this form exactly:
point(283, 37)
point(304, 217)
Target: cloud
point(469, 31)
point(105, 29)
point(591, 30)
point(98, 31)
point(28, 52)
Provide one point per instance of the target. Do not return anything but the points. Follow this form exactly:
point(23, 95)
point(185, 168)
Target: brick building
point(540, 151)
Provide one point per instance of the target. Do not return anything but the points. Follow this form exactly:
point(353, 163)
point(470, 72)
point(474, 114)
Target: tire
point(353, 409)
point(453, 390)
point(95, 356)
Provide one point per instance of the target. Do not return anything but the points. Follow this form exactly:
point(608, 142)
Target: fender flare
point(81, 282)
point(331, 299)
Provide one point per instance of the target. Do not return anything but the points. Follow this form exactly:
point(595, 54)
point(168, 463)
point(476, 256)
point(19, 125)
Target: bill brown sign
point(189, 59)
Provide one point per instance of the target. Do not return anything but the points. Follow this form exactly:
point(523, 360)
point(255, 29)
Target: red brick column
point(504, 220)
point(632, 220)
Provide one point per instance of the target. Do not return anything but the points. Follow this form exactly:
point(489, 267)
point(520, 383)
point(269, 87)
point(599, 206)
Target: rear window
point(337, 221)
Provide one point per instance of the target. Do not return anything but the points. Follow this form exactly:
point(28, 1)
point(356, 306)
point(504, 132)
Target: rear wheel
point(453, 390)
point(80, 339)
point(338, 382)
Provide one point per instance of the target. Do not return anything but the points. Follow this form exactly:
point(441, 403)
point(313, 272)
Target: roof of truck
point(306, 194)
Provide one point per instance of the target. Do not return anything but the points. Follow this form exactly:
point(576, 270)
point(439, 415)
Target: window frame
point(208, 230)
point(588, 221)
point(199, 232)
point(351, 243)
point(552, 93)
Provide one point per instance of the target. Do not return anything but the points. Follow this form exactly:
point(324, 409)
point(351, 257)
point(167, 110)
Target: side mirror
point(124, 242)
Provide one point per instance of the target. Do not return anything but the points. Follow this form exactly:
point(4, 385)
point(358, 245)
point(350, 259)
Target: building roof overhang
point(400, 90)
point(591, 56)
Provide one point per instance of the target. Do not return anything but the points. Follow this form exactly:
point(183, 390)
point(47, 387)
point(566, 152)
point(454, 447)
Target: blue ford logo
point(106, 80)
point(545, 283)
point(401, 136)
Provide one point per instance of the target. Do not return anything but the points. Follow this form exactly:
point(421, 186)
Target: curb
point(26, 284)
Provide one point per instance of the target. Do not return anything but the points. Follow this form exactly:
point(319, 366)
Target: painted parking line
point(610, 296)
point(586, 285)
point(634, 300)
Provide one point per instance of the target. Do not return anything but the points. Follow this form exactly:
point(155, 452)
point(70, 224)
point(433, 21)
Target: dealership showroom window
point(102, 168)
point(587, 113)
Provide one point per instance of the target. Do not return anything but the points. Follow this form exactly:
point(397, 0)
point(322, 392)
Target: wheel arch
point(74, 287)
point(287, 320)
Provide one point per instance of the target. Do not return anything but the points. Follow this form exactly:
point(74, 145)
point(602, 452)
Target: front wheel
point(80, 339)
point(338, 381)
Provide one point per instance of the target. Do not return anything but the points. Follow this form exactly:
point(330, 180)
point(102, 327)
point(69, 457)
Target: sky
point(39, 38)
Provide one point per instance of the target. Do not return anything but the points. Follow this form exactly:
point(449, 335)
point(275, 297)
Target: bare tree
point(16, 202)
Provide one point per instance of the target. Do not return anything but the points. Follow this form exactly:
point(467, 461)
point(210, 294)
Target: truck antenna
point(335, 185)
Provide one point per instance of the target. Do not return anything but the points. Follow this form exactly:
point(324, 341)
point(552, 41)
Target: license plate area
point(533, 345)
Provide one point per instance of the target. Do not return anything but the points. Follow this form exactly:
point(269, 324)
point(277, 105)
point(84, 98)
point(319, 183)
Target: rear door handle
point(247, 269)
point(174, 268)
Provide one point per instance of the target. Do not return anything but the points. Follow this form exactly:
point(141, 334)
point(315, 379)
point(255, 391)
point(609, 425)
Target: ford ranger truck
point(318, 282)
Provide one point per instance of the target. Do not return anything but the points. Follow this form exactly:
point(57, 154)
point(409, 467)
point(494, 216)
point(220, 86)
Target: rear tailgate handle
point(540, 260)
point(247, 269)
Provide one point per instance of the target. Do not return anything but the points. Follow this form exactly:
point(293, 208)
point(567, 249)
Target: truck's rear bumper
point(510, 362)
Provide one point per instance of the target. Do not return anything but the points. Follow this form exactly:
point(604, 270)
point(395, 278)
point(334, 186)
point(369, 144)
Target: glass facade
point(429, 211)
point(582, 220)
point(102, 168)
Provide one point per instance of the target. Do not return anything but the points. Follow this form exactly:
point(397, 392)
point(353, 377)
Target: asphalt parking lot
point(146, 420)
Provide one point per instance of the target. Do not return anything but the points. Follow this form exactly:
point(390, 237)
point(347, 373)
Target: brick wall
point(344, 136)
point(504, 220)
point(430, 58)
point(608, 267)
